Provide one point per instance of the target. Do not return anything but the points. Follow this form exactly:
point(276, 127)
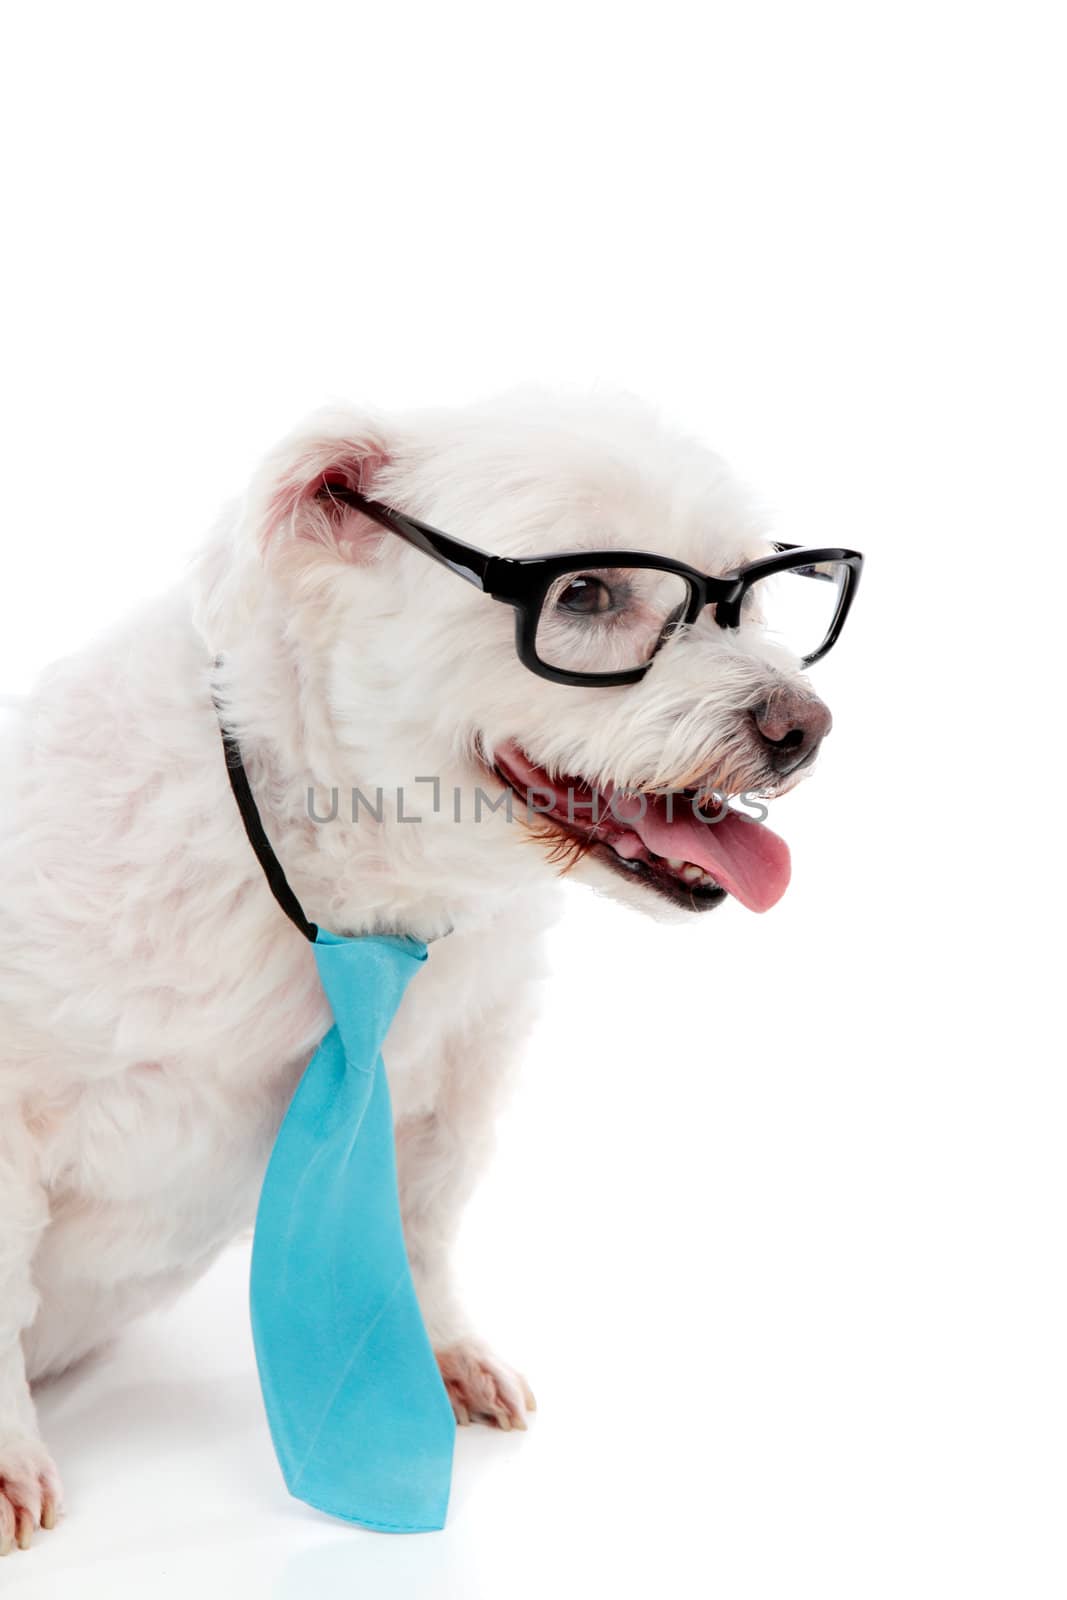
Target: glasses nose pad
point(727, 613)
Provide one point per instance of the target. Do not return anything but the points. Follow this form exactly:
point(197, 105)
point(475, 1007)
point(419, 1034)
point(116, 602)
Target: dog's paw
point(483, 1389)
point(30, 1492)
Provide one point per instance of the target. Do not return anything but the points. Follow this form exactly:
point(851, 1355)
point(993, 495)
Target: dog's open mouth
point(695, 856)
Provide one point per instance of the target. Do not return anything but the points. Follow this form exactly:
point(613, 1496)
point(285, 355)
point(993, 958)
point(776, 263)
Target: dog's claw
point(483, 1389)
point(528, 1396)
point(30, 1494)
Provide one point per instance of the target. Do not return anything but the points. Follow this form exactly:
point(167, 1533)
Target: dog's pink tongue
point(750, 861)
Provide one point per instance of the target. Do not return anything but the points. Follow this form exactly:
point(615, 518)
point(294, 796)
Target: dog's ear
point(292, 508)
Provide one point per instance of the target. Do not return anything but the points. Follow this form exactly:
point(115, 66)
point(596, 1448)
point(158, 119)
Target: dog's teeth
point(693, 874)
point(675, 863)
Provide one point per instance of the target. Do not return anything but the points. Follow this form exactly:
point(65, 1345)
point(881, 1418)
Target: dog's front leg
point(440, 1155)
point(30, 1493)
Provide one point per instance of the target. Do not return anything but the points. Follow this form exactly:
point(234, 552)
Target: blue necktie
point(358, 1411)
point(360, 1418)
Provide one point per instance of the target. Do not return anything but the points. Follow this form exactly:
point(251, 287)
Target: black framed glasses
point(600, 616)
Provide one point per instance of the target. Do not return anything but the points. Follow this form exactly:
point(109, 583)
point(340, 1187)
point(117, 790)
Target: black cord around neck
point(257, 838)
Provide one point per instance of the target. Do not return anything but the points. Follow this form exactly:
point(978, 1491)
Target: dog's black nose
point(791, 725)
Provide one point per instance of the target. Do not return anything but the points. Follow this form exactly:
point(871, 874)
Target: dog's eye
point(585, 597)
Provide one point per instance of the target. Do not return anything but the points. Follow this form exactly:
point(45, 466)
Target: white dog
point(156, 1007)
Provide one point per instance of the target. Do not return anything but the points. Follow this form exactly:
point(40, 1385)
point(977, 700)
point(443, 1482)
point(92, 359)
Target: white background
point(776, 1224)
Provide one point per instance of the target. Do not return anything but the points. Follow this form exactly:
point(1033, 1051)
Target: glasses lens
point(797, 608)
point(608, 619)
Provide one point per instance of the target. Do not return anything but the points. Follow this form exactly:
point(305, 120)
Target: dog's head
point(404, 674)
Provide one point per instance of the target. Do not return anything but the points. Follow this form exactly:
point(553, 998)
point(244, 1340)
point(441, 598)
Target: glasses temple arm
point(465, 560)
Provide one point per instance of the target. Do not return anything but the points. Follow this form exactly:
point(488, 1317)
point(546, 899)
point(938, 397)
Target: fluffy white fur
point(157, 1009)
